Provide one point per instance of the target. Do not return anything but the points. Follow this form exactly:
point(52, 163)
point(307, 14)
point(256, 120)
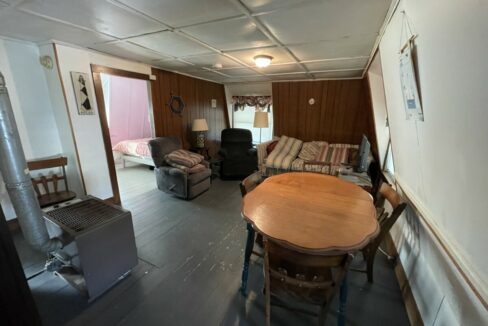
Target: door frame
point(97, 82)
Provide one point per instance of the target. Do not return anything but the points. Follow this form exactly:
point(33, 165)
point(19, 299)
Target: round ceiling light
point(262, 60)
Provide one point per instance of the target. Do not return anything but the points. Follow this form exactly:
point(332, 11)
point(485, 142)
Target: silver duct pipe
point(17, 179)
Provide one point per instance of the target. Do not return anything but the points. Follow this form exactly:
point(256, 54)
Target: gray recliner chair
point(172, 180)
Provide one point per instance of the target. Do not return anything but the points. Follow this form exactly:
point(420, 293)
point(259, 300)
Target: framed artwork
point(83, 93)
point(411, 98)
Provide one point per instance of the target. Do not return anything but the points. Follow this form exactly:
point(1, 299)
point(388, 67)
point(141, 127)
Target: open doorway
point(124, 103)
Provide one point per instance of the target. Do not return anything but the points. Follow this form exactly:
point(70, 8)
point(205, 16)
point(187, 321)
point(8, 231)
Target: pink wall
point(128, 115)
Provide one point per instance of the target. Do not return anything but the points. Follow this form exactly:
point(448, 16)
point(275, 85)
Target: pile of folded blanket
point(186, 161)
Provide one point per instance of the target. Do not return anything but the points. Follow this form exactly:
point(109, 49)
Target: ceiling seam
point(49, 18)
point(391, 11)
point(268, 33)
point(192, 38)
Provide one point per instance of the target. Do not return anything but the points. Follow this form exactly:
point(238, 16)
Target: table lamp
point(260, 121)
point(200, 126)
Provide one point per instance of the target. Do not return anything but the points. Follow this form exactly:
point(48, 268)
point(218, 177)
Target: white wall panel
point(437, 161)
point(86, 128)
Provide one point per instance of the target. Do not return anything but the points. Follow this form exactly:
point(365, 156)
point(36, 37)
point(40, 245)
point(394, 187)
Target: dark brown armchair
point(172, 180)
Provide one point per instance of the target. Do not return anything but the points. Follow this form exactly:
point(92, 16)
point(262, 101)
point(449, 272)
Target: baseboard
point(410, 305)
point(13, 224)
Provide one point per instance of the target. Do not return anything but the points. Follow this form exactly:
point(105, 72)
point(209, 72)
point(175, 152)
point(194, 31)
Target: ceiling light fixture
point(262, 60)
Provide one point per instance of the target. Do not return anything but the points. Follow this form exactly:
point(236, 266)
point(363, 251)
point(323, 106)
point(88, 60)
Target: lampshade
point(199, 125)
point(261, 119)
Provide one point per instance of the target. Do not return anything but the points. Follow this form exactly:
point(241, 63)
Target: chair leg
point(247, 258)
point(341, 320)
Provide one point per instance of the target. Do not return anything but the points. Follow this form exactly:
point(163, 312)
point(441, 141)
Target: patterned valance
point(261, 103)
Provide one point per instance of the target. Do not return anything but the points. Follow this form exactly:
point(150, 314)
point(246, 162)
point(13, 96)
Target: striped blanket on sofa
point(284, 153)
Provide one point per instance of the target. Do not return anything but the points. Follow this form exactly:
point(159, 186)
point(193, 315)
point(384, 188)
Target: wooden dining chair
point(386, 221)
point(246, 186)
point(374, 173)
point(313, 279)
point(48, 187)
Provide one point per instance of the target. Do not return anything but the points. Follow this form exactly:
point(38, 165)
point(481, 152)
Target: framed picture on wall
point(83, 93)
point(411, 98)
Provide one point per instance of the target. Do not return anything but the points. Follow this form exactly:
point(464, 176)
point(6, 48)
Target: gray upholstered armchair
point(172, 180)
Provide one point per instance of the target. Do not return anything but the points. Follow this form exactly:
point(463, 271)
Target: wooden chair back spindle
point(51, 195)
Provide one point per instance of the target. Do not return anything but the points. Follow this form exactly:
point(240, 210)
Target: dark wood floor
point(190, 261)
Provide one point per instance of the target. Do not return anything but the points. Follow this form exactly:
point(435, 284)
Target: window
point(244, 118)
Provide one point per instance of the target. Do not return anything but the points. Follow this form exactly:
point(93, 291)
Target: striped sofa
point(291, 154)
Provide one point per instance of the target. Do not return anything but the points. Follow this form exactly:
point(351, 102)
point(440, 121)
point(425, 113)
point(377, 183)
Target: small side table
point(204, 151)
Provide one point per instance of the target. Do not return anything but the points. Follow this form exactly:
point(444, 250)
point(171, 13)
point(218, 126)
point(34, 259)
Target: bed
point(133, 150)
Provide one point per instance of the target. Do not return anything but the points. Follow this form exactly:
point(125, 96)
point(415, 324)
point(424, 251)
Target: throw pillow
point(175, 165)
point(309, 151)
point(271, 146)
point(184, 157)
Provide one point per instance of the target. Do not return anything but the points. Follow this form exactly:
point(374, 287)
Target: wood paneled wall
point(341, 113)
point(197, 95)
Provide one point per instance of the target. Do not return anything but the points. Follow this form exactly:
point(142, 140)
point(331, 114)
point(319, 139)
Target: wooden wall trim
point(97, 82)
point(118, 72)
point(425, 217)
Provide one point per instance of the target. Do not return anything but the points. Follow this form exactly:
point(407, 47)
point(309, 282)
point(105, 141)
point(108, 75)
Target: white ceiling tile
point(279, 55)
point(6, 3)
point(326, 20)
point(257, 6)
point(342, 48)
point(128, 51)
point(101, 16)
point(337, 64)
point(206, 74)
point(256, 78)
point(290, 77)
point(26, 27)
point(208, 60)
point(240, 72)
point(339, 74)
point(232, 80)
point(175, 65)
point(170, 43)
point(184, 12)
point(230, 35)
point(282, 69)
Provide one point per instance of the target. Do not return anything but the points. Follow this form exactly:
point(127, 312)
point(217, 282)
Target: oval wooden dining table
point(311, 213)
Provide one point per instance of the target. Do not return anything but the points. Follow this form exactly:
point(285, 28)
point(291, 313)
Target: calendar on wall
point(411, 98)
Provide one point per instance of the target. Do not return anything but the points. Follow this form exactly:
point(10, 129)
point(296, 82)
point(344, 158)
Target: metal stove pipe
point(17, 179)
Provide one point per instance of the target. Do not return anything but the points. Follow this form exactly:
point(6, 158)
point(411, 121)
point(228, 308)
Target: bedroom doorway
point(126, 119)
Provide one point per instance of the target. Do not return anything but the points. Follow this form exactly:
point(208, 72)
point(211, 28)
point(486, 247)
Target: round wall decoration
point(176, 104)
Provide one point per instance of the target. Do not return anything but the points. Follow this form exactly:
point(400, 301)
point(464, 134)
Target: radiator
point(103, 250)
